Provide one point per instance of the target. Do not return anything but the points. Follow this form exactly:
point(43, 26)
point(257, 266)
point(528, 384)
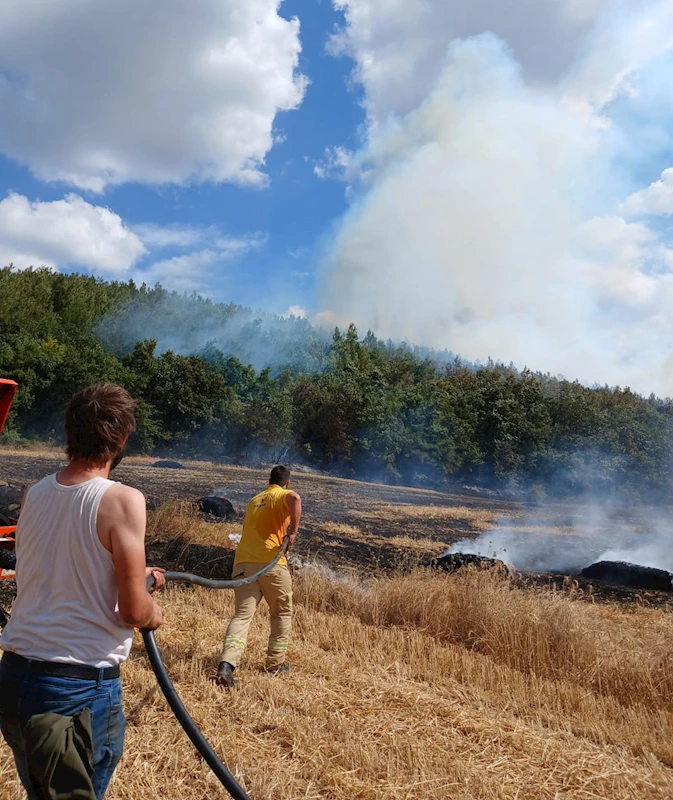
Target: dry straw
point(411, 687)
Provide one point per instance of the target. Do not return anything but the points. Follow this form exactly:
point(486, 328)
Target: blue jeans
point(23, 695)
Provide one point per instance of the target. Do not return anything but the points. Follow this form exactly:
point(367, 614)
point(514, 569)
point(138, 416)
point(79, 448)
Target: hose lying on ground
point(177, 706)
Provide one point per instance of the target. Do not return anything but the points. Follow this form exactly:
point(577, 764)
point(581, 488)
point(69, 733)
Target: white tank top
point(66, 606)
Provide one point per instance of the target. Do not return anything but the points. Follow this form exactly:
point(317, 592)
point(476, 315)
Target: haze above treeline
point(219, 381)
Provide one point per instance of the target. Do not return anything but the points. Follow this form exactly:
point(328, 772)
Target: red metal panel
point(7, 543)
point(7, 391)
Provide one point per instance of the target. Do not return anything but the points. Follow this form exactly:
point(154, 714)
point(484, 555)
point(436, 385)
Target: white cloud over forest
point(68, 232)
point(99, 94)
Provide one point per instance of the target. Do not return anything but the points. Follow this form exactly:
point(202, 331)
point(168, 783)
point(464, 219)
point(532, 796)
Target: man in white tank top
point(81, 589)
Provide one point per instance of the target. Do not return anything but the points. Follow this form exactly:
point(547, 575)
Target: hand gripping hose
point(173, 698)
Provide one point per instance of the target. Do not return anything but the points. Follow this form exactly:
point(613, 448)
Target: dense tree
point(217, 380)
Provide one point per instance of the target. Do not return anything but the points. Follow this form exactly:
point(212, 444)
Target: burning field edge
point(356, 527)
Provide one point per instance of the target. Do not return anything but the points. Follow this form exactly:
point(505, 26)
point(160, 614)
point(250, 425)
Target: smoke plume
point(566, 540)
point(488, 217)
point(189, 325)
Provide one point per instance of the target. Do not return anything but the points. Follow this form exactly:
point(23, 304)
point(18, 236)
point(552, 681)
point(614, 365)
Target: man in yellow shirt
point(265, 527)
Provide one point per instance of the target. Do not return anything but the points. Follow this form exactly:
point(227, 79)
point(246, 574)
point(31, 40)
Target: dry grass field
point(406, 684)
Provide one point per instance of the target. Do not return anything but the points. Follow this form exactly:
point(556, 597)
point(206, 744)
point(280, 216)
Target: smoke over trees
point(251, 386)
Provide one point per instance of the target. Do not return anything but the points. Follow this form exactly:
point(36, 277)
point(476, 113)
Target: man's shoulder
point(257, 497)
point(125, 496)
point(47, 481)
point(285, 494)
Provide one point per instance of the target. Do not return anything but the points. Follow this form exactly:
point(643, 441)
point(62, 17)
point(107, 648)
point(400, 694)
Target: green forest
point(218, 381)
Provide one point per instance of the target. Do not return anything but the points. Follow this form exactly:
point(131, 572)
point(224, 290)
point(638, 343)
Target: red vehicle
point(7, 391)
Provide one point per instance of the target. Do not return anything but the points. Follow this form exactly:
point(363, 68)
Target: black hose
point(187, 577)
point(178, 708)
point(173, 698)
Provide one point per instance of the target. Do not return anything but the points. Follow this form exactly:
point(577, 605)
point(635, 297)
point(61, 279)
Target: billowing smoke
point(541, 541)
point(191, 325)
point(487, 218)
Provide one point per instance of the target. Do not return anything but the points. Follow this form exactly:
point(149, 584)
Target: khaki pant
point(276, 588)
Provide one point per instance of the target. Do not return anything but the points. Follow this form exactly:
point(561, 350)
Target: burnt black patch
point(455, 561)
point(218, 507)
point(620, 573)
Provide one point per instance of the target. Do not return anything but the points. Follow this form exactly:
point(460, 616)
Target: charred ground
point(349, 525)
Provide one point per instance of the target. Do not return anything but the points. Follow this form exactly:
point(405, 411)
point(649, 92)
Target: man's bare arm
point(121, 527)
point(294, 507)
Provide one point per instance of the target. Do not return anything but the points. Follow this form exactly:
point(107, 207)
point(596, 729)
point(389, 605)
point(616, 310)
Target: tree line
point(351, 404)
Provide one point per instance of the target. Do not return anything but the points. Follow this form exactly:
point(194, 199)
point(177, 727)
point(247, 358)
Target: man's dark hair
point(98, 421)
point(280, 475)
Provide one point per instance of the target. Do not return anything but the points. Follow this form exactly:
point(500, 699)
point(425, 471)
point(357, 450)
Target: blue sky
point(494, 179)
point(290, 214)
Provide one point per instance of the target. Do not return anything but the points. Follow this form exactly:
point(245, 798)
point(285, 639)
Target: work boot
point(283, 669)
point(225, 675)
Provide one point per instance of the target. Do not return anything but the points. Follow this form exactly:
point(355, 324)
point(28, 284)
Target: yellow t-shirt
point(264, 527)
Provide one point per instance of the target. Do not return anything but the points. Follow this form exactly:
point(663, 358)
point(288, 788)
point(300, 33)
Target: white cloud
point(632, 269)
point(336, 163)
point(162, 236)
point(629, 35)
point(300, 252)
point(195, 271)
point(185, 273)
point(631, 266)
point(400, 45)
point(99, 94)
point(230, 247)
point(71, 233)
point(67, 232)
point(656, 200)
point(296, 311)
